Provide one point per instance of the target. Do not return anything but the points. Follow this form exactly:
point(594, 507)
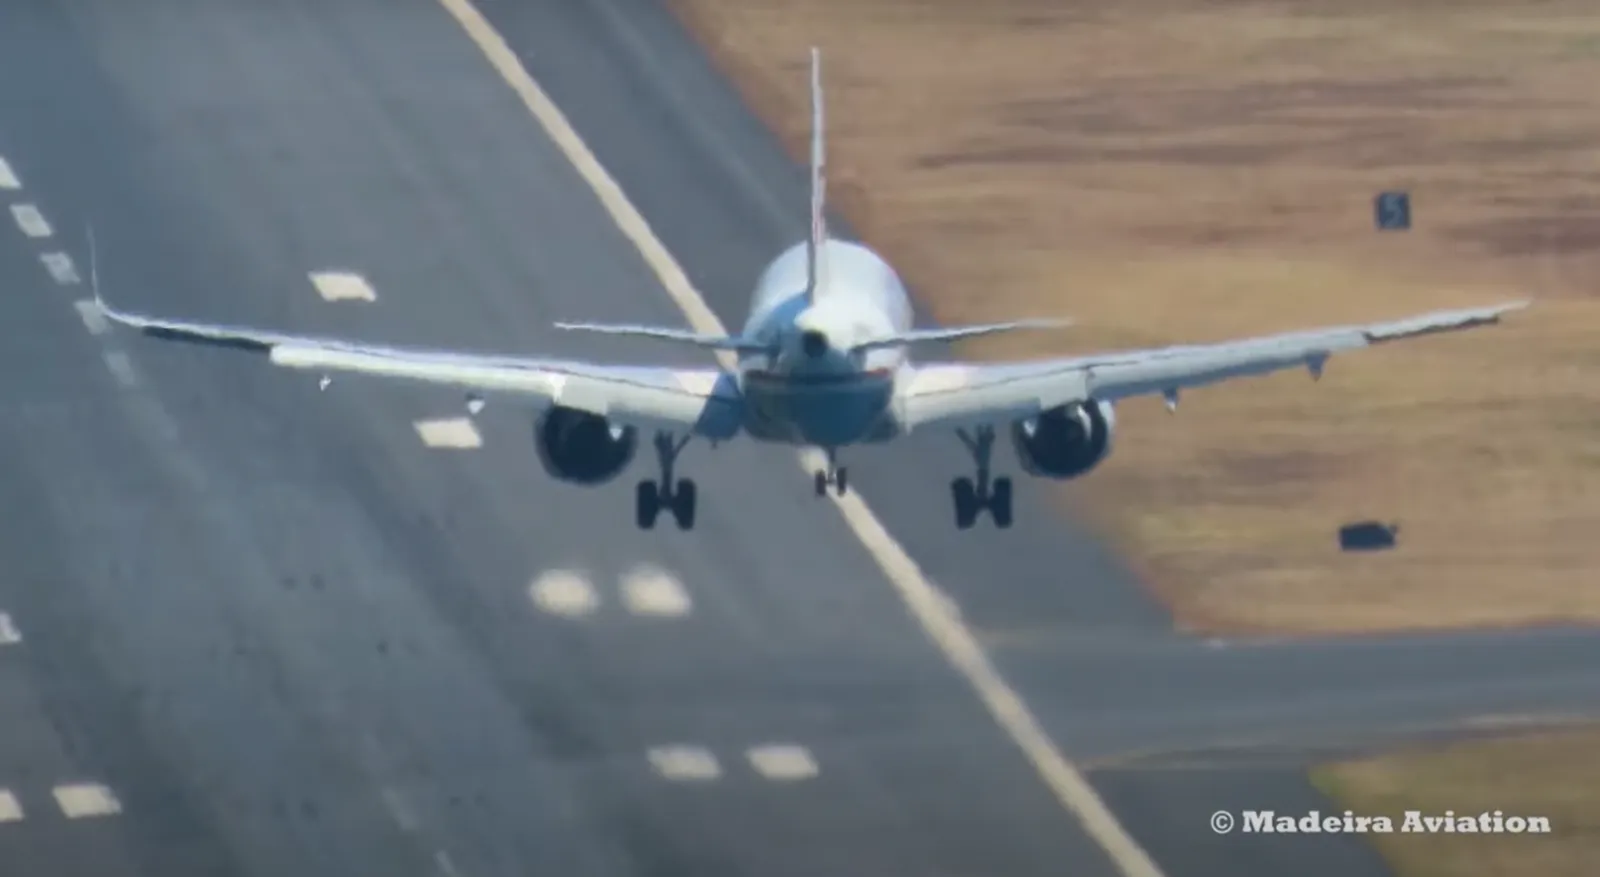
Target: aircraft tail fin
point(955, 333)
point(816, 267)
point(663, 333)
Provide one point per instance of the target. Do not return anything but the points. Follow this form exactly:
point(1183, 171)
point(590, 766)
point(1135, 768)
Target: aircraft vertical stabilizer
point(816, 267)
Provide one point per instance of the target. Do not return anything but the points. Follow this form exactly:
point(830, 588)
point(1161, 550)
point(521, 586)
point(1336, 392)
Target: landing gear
point(653, 496)
point(972, 495)
point(835, 475)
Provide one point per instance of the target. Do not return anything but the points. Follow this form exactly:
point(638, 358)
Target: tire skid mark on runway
point(944, 626)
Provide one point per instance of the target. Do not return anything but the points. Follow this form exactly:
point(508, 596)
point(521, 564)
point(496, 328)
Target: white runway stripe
point(648, 590)
point(342, 286)
point(86, 800)
point(60, 267)
point(30, 220)
point(456, 433)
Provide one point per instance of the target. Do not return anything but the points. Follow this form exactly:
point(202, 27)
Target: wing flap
point(957, 395)
point(703, 401)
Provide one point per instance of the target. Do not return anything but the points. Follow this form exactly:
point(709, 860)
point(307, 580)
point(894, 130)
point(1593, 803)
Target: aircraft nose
point(814, 343)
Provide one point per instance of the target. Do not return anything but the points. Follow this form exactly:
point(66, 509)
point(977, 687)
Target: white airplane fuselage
point(814, 392)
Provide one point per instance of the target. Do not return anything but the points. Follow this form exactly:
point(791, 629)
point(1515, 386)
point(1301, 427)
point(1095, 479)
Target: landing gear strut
point(974, 495)
point(835, 475)
point(653, 496)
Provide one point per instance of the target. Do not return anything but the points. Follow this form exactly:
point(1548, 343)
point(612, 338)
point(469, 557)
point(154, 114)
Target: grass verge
point(1550, 774)
point(1166, 171)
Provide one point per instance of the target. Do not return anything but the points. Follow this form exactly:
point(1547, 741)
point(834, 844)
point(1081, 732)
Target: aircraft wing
point(704, 402)
point(967, 394)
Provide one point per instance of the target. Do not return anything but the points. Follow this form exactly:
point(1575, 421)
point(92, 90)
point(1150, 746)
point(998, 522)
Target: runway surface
point(261, 629)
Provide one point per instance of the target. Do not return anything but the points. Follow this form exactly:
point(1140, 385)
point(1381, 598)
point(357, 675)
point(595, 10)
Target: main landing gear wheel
point(834, 475)
point(653, 496)
point(972, 495)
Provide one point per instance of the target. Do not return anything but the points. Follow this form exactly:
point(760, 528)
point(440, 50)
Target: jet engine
point(582, 448)
point(1066, 441)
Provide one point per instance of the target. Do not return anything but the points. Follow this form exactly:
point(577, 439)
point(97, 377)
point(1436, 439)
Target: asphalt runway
point(267, 630)
point(295, 639)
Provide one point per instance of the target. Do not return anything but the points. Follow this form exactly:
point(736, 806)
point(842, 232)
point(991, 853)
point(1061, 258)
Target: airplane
point(821, 362)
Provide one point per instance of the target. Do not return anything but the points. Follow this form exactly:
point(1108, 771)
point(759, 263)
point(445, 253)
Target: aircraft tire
point(647, 504)
point(965, 497)
point(1000, 502)
point(683, 504)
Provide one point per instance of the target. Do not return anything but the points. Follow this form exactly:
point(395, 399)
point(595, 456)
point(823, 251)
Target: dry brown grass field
point(1166, 171)
point(1550, 774)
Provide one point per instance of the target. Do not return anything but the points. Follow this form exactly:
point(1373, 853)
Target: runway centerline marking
point(782, 762)
point(455, 433)
point(93, 318)
point(650, 590)
point(399, 809)
point(10, 807)
point(342, 286)
point(942, 624)
point(8, 177)
point(30, 220)
point(121, 367)
point(9, 635)
point(60, 267)
point(85, 800)
point(685, 763)
point(564, 592)
point(447, 866)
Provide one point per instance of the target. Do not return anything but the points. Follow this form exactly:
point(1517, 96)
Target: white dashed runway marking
point(85, 800)
point(30, 220)
point(783, 762)
point(342, 286)
point(455, 432)
point(121, 367)
point(564, 592)
point(9, 635)
point(93, 319)
point(8, 177)
point(10, 807)
point(447, 865)
point(648, 590)
point(60, 267)
point(685, 763)
point(400, 810)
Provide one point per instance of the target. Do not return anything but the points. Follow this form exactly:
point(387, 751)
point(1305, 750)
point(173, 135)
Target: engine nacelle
point(583, 448)
point(1065, 442)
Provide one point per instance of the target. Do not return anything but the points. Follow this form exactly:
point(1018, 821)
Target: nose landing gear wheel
point(835, 475)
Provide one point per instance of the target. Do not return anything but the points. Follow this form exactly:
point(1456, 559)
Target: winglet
point(1442, 321)
point(815, 268)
